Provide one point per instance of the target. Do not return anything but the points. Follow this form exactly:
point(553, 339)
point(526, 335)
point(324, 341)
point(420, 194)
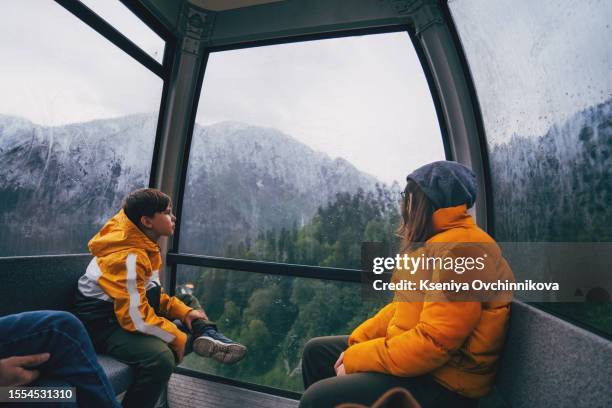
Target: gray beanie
point(446, 183)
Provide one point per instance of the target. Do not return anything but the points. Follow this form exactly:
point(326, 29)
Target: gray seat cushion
point(550, 362)
point(49, 283)
point(40, 283)
point(120, 375)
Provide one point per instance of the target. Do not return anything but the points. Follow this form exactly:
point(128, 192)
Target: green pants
point(323, 389)
point(152, 359)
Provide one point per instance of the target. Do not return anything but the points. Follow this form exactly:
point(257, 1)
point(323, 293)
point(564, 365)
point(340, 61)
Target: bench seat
point(49, 283)
point(119, 374)
point(546, 361)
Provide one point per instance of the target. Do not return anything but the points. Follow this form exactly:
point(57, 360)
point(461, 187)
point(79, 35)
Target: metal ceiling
point(222, 5)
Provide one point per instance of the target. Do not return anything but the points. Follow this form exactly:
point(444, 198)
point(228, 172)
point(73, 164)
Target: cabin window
point(299, 153)
point(542, 75)
point(274, 316)
point(129, 25)
point(78, 119)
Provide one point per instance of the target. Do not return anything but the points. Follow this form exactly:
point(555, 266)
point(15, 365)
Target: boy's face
point(162, 223)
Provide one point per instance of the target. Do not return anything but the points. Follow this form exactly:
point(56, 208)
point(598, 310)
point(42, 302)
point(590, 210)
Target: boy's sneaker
point(211, 343)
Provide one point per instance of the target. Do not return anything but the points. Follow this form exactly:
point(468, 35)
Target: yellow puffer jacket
point(125, 266)
point(458, 343)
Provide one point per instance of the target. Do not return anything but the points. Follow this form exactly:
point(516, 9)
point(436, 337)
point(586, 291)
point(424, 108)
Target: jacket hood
point(120, 234)
point(446, 184)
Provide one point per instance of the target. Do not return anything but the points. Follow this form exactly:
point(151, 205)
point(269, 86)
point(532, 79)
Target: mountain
point(244, 180)
point(59, 184)
point(557, 186)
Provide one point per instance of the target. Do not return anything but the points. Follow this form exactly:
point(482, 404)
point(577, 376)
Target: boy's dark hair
point(145, 201)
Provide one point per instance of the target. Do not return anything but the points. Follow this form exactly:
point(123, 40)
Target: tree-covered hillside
point(275, 316)
point(556, 187)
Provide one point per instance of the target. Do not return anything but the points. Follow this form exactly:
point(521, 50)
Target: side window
point(77, 127)
point(545, 90)
point(299, 159)
point(130, 25)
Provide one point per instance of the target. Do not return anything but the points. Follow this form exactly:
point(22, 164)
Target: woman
point(444, 352)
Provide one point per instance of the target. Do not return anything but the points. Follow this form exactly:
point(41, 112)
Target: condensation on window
point(543, 75)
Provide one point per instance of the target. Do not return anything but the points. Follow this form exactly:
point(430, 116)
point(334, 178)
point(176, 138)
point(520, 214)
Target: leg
point(197, 325)
point(366, 388)
point(73, 359)
point(319, 356)
point(151, 357)
point(207, 341)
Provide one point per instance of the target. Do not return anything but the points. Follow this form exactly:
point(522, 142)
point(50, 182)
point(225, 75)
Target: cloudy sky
point(57, 70)
point(362, 98)
point(535, 63)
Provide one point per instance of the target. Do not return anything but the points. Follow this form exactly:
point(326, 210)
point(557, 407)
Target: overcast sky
point(57, 70)
point(535, 63)
point(361, 98)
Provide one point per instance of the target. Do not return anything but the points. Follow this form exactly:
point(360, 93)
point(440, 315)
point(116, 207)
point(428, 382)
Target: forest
point(275, 316)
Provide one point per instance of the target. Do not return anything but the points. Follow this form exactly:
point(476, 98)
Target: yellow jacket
point(125, 267)
point(458, 343)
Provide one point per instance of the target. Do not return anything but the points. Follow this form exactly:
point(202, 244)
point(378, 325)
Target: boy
point(124, 309)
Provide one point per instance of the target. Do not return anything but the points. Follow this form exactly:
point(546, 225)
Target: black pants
point(324, 389)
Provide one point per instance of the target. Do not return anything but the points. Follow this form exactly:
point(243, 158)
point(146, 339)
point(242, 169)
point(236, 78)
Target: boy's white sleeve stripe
point(139, 323)
point(88, 283)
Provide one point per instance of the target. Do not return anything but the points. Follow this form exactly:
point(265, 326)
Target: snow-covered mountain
point(245, 179)
point(59, 184)
point(557, 186)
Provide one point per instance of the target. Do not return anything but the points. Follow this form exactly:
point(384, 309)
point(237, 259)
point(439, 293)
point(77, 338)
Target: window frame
point(174, 257)
point(481, 133)
point(163, 71)
point(228, 263)
point(488, 178)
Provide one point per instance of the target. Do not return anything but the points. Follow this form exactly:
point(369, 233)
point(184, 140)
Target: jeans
point(73, 360)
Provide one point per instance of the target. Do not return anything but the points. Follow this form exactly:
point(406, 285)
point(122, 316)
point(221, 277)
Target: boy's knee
point(163, 364)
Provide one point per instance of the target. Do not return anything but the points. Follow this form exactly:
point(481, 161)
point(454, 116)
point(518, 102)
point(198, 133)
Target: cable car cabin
point(283, 131)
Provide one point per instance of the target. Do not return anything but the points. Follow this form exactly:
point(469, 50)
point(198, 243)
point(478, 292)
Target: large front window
point(299, 153)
